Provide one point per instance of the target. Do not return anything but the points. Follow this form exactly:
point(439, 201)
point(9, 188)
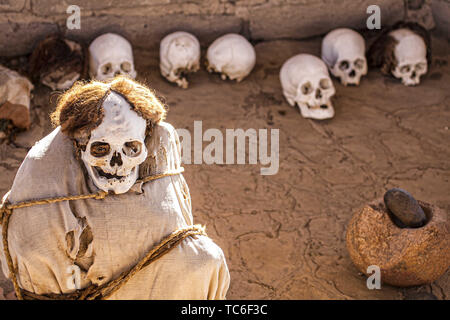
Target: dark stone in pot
point(405, 208)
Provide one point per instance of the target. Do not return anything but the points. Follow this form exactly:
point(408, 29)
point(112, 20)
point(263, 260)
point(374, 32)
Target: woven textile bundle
point(60, 247)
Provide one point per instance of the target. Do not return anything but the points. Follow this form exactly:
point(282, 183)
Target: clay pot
point(406, 256)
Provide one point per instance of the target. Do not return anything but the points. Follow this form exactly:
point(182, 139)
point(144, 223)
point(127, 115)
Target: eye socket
point(324, 84)
point(343, 65)
point(125, 66)
point(180, 72)
point(420, 66)
point(100, 149)
point(132, 148)
point(405, 69)
point(359, 63)
point(307, 88)
point(106, 68)
point(180, 43)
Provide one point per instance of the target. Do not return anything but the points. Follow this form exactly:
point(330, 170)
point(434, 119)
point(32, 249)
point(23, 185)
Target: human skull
point(306, 82)
point(411, 55)
point(116, 147)
point(232, 56)
point(110, 55)
point(343, 50)
point(179, 54)
point(57, 62)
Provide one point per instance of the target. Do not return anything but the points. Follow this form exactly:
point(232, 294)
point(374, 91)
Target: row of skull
point(230, 55)
point(304, 78)
point(233, 56)
point(306, 82)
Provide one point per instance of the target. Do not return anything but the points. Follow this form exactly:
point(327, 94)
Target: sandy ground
point(283, 235)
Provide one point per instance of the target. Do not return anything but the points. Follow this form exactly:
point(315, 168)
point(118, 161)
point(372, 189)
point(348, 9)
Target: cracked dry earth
point(284, 235)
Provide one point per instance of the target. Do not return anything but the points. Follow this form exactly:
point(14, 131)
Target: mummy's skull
point(232, 56)
point(57, 62)
point(411, 55)
point(179, 54)
point(306, 82)
point(343, 50)
point(116, 147)
point(109, 56)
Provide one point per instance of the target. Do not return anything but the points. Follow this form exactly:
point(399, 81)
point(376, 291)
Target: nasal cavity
point(352, 74)
point(413, 75)
point(116, 159)
point(318, 94)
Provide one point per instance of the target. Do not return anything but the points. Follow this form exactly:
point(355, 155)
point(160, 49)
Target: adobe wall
point(145, 22)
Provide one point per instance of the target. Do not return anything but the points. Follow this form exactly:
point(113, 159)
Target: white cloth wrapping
point(66, 245)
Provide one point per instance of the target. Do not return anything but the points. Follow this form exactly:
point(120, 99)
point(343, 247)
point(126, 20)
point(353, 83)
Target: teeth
point(319, 106)
point(106, 175)
point(110, 178)
point(313, 107)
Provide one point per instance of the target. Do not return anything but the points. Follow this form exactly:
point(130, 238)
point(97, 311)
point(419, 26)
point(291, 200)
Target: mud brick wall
point(441, 14)
point(145, 22)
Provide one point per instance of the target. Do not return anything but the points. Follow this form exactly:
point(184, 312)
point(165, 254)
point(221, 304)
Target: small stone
point(405, 208)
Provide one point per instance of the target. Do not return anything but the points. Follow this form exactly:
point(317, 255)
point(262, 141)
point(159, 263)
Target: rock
point(405, 208)
point(405, 256)
point(15, 95)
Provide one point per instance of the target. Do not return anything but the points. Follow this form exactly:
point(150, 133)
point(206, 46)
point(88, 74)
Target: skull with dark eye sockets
point(116, 147)
point(343, 50)
point(179, 55)
point(111, 55)
point(307, 84)
point(411, 57)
